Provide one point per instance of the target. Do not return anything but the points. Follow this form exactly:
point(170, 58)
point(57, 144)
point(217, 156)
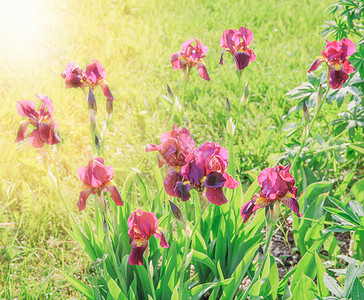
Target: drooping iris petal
point(106, 91)
point(337, 78)
point(292, 203)
point(22, 131)
point(47, 133)
point(215, 180)
point(315, 65)
point(247, 210)
point(216, 196)
point(136, 254)
point(170, 181)
point(182, 191)
point(242, 59)
point(176, 64)
point(230, 182)
point(203, 72)
point(163, 242)
point(115, 194)
point(35, 140)
point(85, 192)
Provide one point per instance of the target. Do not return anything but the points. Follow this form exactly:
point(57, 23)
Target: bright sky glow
point(22, 27)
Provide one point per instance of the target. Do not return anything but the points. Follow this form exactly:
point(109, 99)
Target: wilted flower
point(143, 225)
point(275, 184)
point(236, 42)
point(96, 178)
point(73, 75)
point(190, 56)
point(336, 57)
point(42, 120)
point(206, 169)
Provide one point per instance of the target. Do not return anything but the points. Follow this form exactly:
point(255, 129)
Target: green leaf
point(304, 289)
point(333, 286)
point(322, 289)
point(239, 274)
point(79, 286)
point(114, 290)
point(358, 245)
point(204, 259)
point(147, 283)
point(198, 291)
point(358, 191)
point(357, 292)
point(307, 264)
point(350, 275)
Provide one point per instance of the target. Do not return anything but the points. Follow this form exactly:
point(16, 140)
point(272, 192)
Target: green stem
point(183, 103)
point(187, 246)
point(306, 130)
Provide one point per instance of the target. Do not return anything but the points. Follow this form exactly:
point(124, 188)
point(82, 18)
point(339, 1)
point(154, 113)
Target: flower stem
point(307, 129)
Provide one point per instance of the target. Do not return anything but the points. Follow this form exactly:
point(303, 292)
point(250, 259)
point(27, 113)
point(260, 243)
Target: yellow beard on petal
point(261, 202)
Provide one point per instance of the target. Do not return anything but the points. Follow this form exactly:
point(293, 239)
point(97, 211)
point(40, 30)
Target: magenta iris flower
point(73, 75)
point(96, 178)
point(142, 225)
point(275, 184)
point(190, 56)
point(237, 43)
point(42, 119)
point(94, 76)
point(336, 57)
point(175, 148)
point(206, 169)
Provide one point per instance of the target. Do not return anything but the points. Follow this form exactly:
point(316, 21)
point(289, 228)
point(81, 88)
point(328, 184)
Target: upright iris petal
point(190, 56)
point(336, 57)
point(42, 119)
point(276, 184)
point(96, 178)
point(142, 225)
point(237, 43)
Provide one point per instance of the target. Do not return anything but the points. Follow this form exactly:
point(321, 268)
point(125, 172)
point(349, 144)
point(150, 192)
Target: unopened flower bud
point(305, 111)
point(175, 210)
point(320, 94)
point(244, 98)
point(227, 104)
point(230, 127)
point(91, 100)
point(170, 91)
point(109, 106)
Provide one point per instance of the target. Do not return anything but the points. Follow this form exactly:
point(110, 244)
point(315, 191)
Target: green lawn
point(134, 41)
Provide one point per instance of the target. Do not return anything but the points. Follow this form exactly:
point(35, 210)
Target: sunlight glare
point(22, 27)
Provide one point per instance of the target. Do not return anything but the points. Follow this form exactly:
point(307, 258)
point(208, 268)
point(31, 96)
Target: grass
point(134, 41)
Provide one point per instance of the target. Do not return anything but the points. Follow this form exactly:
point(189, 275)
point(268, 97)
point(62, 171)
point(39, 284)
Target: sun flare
point(22, 27)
